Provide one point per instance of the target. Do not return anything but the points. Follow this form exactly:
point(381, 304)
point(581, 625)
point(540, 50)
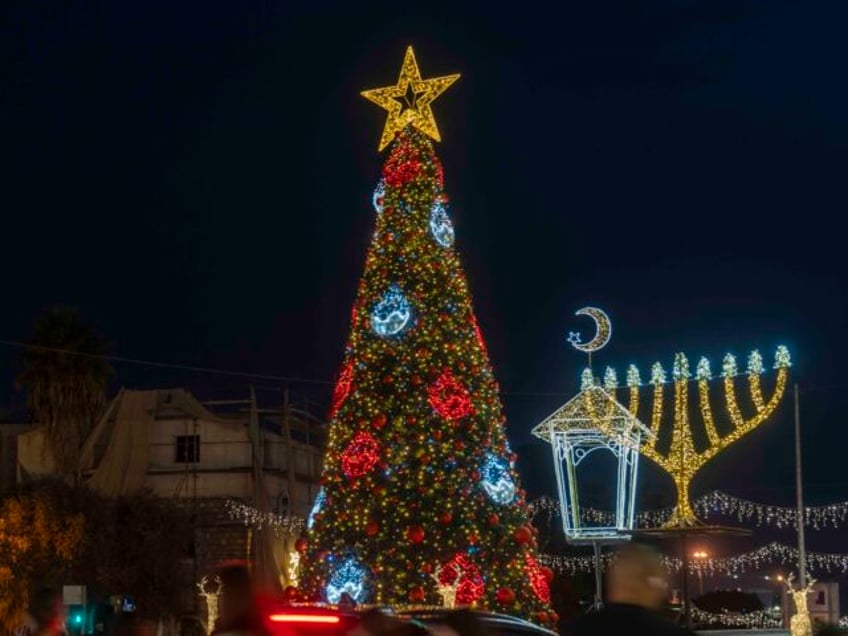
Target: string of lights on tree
point(257, 519)
point(722, 505)
point(753, 561)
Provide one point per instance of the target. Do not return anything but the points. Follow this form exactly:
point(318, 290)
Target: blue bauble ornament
point(348, 577)
point(497, 479)
point(440, 224)
point(379, 196)
point(392, 314)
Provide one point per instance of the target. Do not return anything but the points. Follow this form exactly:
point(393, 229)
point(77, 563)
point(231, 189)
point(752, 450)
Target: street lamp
point(700, 556)
point(591, 424)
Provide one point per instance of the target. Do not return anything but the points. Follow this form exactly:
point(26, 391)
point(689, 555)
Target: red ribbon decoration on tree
point(479, 335)
point(538, 580)
point(342, 388)
point(361, 455)
point(471, 586)
point(449, 397)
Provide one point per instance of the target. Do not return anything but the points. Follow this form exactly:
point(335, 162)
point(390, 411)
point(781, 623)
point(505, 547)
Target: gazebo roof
point(591, 409)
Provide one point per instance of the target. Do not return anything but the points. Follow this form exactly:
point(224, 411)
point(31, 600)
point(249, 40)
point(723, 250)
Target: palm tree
point(65, 379)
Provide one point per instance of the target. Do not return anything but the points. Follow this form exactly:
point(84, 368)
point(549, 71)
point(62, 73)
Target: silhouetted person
point(238, 614)
point(48, 613)
point(460, 622)
point(636, 590)
point(375, 622)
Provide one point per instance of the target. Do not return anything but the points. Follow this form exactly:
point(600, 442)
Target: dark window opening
point(188, 449)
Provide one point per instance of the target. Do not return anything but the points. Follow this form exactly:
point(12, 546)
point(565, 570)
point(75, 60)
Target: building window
point(188, 449)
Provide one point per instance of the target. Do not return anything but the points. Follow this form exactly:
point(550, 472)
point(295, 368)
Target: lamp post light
point(593, 421)
point(700, 556)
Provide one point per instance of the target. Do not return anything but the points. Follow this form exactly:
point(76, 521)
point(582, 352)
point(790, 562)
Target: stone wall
point(217, 539)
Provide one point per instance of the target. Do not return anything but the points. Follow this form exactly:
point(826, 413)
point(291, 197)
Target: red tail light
point(303, 618)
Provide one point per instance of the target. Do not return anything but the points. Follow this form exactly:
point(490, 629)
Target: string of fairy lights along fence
point(753, 561)
point(760, 619)
point(718, 504)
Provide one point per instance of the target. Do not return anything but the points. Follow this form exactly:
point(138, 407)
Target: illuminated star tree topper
point(408, 102)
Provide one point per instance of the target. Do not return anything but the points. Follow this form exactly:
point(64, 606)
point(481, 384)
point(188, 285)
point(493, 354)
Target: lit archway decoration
point(471, 586)
point(449, 397)
point(361, 455)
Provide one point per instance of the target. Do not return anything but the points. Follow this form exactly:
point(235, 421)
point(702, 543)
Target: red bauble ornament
point(301, 545)
point(476, 475)
point(548, 573)
point(505, 596)
point(542, 617)
point(342, 388)
point(437, 435)
point(379, 421)
point(416, 595)
point(372, 528)
point(290, 593)
point(522, 535)
point(538, 580)
point(361, 455)
point(445, 517)
point(388, 379)
point(459, 444)
point(416, 380)
point(493, 519)
point(449, 397)
point(415, 534)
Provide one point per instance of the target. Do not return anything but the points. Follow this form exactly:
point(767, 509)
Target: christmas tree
point(420, 501)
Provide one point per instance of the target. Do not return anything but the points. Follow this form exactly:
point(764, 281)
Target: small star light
point(574, 337)
point(408, 102)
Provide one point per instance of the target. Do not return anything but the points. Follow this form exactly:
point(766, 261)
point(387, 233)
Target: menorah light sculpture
point(682, 461)
point(800, 624)
point(211, 595)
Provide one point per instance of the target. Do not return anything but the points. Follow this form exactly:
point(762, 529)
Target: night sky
point(196, 178)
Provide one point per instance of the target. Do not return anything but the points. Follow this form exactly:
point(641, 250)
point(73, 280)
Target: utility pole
point(802, 552)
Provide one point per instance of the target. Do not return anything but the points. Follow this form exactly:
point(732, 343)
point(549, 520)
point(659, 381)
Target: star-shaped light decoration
point(408, 102)
point(574, 337)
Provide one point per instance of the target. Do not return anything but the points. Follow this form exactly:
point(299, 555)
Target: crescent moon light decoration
point(603, 330)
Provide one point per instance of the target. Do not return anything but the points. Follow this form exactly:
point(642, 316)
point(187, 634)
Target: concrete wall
point(225, 466)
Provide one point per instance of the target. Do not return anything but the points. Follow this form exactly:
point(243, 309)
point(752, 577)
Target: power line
point(165, 365)
point(278, 378)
